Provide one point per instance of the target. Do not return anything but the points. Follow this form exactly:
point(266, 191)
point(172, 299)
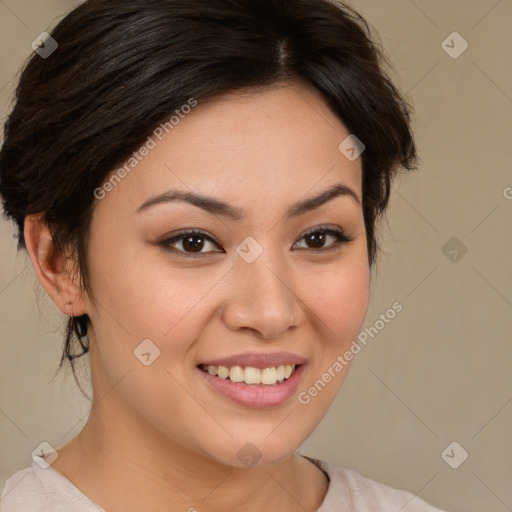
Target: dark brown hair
point(122, 68)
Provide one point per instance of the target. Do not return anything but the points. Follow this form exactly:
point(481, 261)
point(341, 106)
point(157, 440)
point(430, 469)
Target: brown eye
point(192, 242)
point(316, 239)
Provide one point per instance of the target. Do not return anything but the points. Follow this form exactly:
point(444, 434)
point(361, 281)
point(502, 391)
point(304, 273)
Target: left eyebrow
point(312, 203)
point(217, 207)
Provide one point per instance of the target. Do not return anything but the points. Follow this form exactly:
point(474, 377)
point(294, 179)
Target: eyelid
point(326, 228)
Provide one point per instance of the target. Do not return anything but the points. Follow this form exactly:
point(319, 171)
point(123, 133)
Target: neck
point(133, 466)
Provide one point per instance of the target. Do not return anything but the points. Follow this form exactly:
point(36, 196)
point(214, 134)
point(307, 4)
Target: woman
point(198, 186)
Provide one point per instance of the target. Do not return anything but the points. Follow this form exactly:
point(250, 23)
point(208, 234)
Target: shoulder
point(23, 492)
point(352, 491)
point(40, 488)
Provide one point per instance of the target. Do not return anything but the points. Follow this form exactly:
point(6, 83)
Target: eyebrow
point(220, 208)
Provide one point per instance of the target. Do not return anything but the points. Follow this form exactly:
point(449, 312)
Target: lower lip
point(256, 395)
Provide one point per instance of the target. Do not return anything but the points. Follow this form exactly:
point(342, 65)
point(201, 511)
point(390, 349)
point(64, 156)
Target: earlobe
point(52, 267)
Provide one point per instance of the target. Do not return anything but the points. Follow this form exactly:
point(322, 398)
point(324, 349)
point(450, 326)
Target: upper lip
point(258, 360)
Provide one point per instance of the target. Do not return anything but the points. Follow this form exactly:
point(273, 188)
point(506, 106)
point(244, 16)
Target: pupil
point(188, 243)
point(317, 239)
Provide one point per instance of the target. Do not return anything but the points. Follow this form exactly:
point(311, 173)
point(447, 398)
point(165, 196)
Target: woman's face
point(251, 290)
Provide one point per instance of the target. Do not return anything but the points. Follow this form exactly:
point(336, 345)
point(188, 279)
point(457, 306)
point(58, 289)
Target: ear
point(57, 274)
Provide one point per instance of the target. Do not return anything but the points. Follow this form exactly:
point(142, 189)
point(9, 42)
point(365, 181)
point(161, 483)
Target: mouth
point(255, 380)
point(250, 375)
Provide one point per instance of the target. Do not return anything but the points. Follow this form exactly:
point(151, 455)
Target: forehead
point(251, 145)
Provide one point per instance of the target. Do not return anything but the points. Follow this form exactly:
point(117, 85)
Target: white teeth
point(222, 372)
point(236, 374)
point(268, 376)
point(250, 375)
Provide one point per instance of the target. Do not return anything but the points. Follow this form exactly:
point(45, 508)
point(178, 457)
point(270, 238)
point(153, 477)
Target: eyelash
point(340, 239)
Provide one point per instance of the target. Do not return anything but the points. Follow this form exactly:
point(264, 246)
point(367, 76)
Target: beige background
point(440, 371)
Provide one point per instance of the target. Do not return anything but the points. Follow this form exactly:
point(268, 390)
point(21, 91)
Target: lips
point(254, 379)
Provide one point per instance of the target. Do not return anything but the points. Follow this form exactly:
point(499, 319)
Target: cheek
point(145, 294)
point(340, 301)
point(338, 308)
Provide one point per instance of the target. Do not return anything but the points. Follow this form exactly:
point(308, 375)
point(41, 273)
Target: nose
point(262, 298)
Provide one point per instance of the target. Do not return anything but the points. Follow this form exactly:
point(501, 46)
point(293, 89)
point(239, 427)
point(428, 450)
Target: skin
point(158, 438)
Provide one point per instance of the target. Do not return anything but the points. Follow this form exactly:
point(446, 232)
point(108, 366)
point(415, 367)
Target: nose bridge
point(263, 298)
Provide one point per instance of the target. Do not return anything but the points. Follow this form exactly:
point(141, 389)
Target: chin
point(257, 451)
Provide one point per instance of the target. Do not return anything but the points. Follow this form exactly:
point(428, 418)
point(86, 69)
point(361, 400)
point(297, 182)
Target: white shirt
point(35, 489)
